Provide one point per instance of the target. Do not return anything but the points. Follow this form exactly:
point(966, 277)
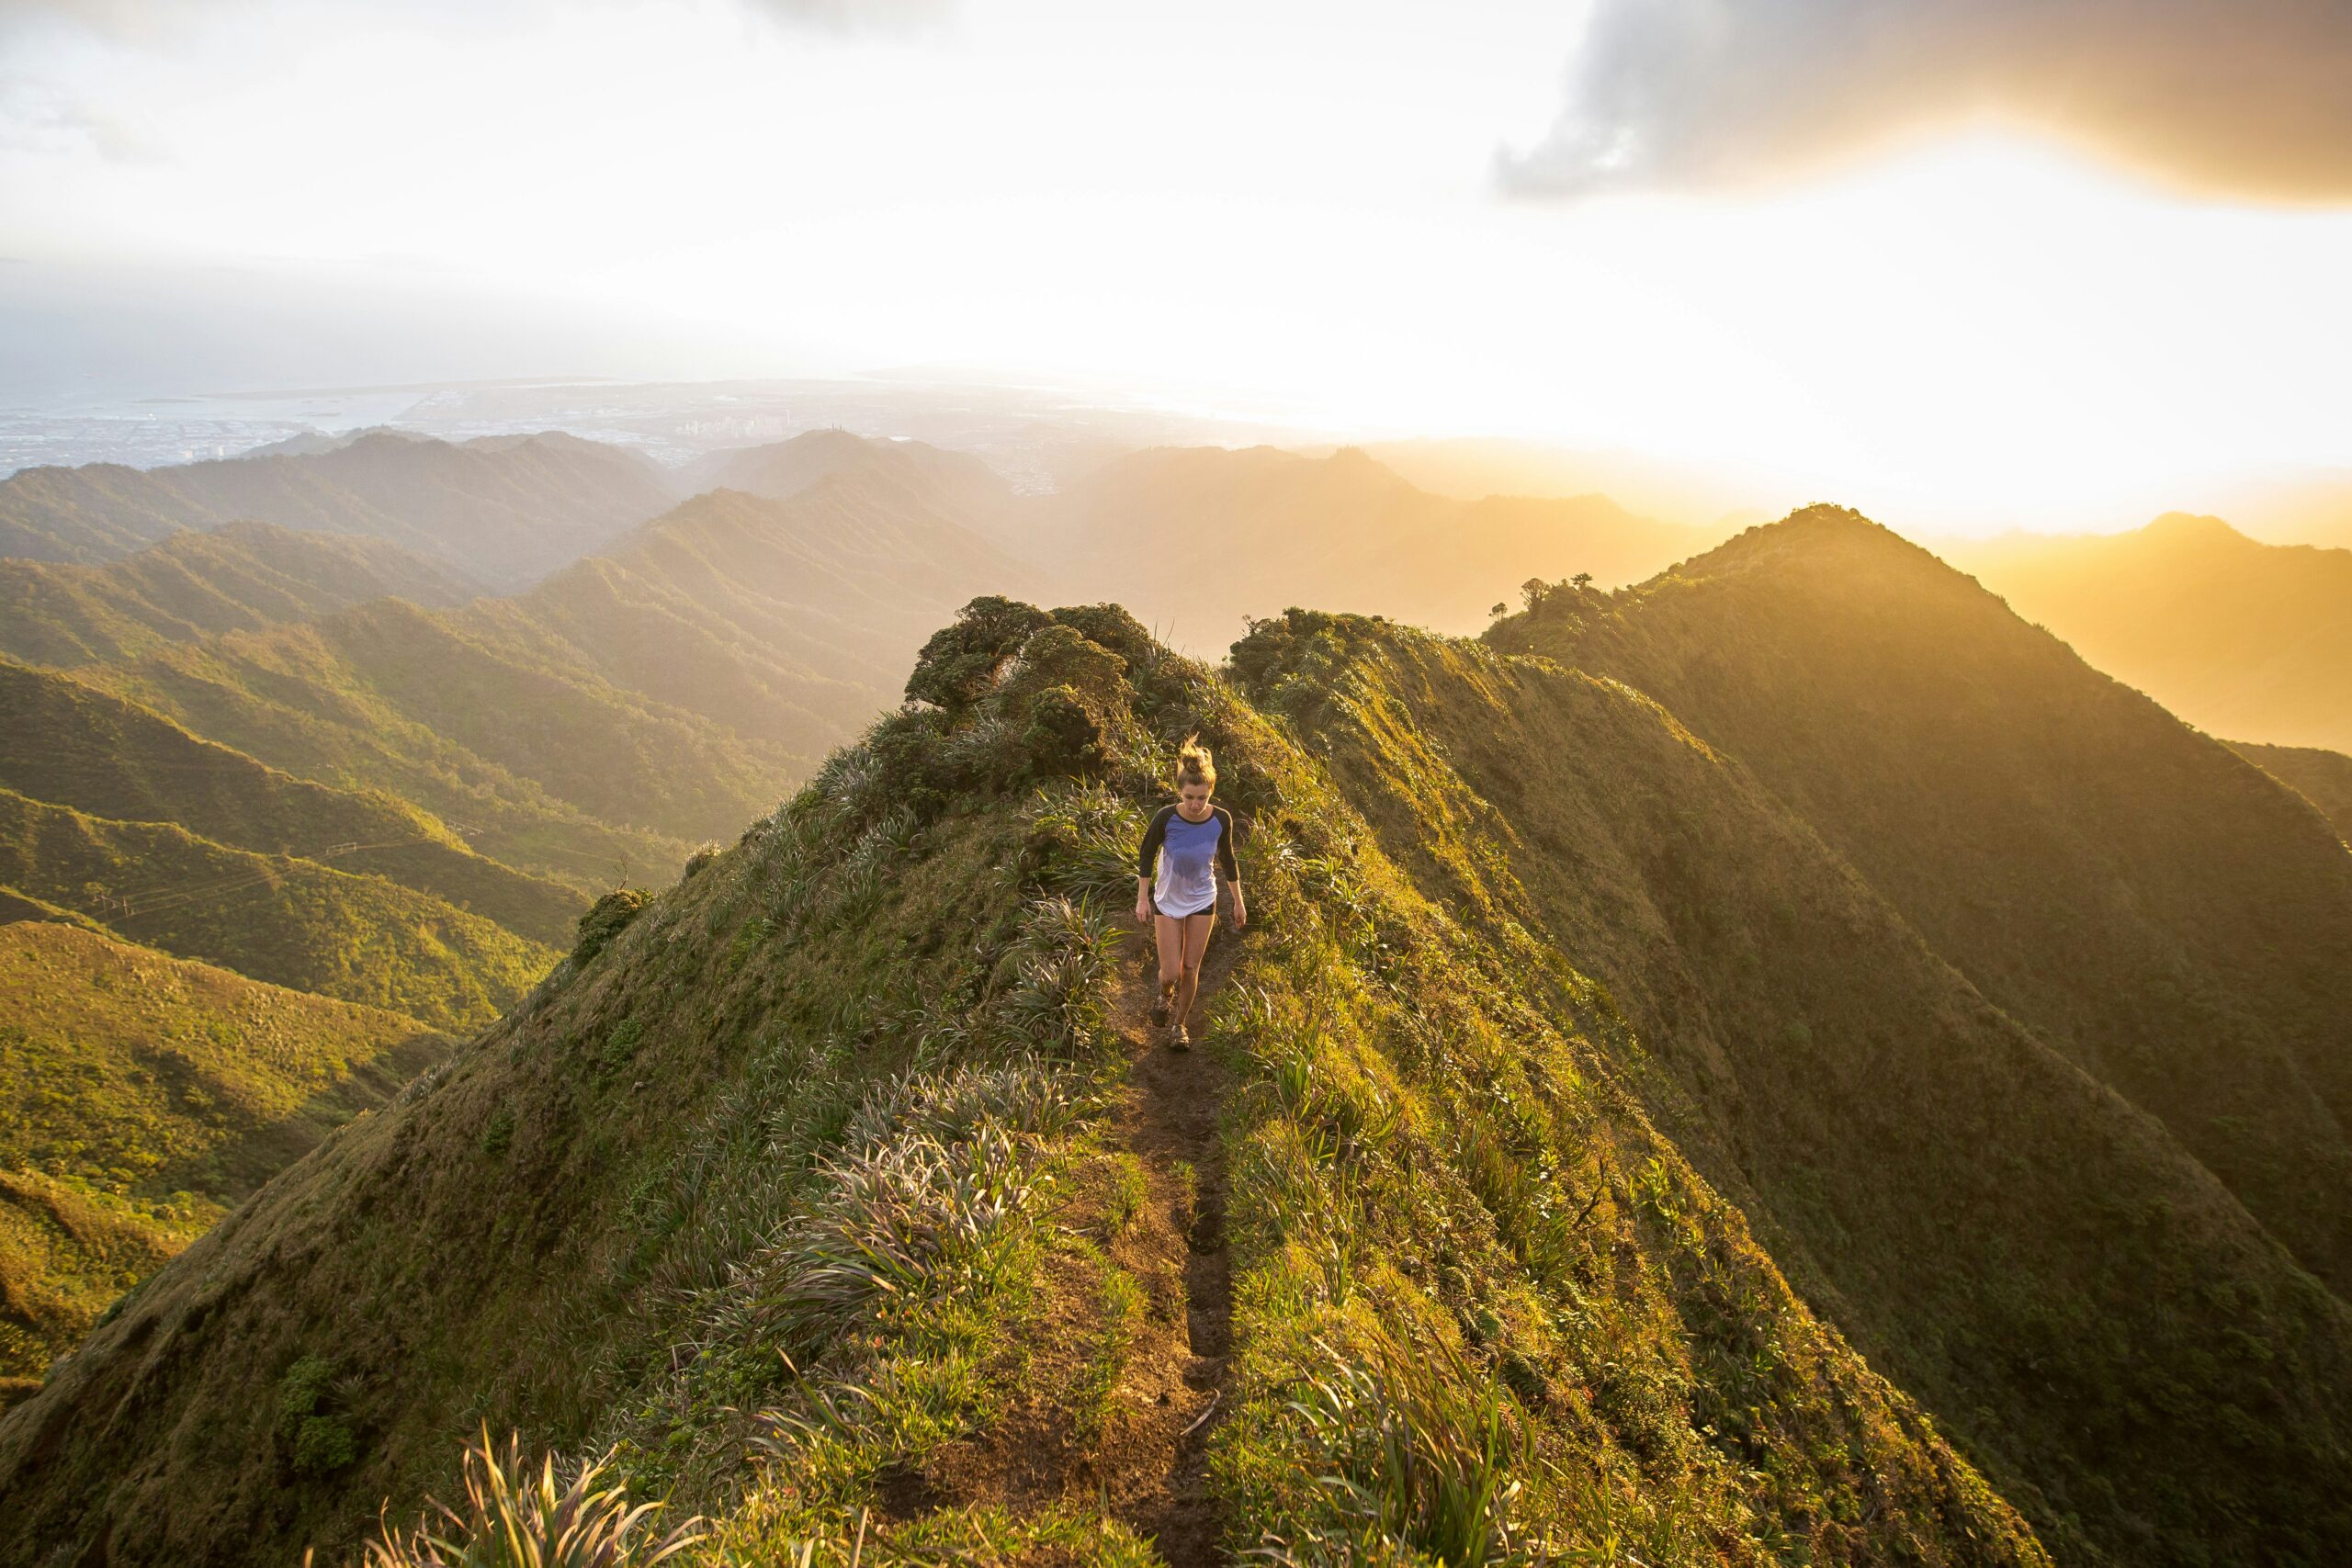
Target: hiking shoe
point(1180, 1038)
point(1159, 1011)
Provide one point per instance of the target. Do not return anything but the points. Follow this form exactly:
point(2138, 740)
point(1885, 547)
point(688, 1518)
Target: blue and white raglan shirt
point(1189, 855)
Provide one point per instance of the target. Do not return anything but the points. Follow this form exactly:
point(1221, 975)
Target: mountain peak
point(2192, 527)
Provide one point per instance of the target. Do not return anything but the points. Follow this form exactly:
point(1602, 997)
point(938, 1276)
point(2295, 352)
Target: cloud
point(2245, 99)
point(856, 16)
point(37, 116)
point(164, 21)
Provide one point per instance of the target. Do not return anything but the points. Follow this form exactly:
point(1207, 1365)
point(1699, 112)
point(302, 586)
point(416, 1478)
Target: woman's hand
point(1241, 910)
point(1143, 910)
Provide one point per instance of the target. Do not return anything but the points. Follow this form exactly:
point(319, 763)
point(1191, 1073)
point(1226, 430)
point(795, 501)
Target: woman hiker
point(1190, 844)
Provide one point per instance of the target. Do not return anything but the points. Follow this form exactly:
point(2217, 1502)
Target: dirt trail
point(1147, 1465)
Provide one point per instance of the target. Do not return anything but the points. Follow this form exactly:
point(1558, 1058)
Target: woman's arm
point(1147, 862)
point(1230, 867)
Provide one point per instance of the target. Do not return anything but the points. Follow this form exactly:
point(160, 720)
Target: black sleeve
point(1224, 860)
point(1148, 857)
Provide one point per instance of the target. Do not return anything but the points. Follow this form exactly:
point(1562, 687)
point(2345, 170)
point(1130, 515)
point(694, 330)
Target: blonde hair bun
point(1194, 765)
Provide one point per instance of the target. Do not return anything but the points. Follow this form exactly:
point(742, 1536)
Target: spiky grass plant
point(1090, 834)
point(516, 1519)
point(1425, 1448)
point(1059, 1007)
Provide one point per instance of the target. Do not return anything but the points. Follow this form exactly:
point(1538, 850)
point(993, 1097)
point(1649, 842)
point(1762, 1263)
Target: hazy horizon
point(2024, 274)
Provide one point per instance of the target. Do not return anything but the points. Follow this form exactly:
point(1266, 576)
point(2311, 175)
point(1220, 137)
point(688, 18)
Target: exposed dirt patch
point(1140, 1451)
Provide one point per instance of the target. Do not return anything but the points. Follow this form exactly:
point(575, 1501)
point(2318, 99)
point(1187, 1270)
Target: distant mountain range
point(504, 509)
point(2245, 640)
point(1197, 539)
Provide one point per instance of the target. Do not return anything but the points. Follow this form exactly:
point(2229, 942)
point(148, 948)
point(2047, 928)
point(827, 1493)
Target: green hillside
point(2005, 1240)
point(289, 921)
point(139, 1097)
point(240, 577)
point(656, 1118)
point(558, 773)
point(1588, 1164)
point(622, 710)
point(2164, 914)
point(791, 621)
point(2323, 778)
point(2236, 637)
point(73, 746)
point(505, 509)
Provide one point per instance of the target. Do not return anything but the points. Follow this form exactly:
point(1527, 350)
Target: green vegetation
point(76, 747)
point(2017, 1251)
point(2157, 911)
point(515, 1520)
point(291, 922)
point(422, 706)
point(1604, 1170)
point(192, 585)
point(139, 1097)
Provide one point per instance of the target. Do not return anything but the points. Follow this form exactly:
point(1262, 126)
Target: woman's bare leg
point(1194, 945)
point(1169, 932)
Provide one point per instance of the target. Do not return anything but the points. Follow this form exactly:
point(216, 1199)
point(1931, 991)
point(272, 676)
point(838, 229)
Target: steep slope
point(140, 1096)
point(2237, 637)
point(1197, 539)
point(829, 1158)
point(2161, 911)
point(71, 745)
point(506, 510)
point(667, 692)
point(239, 577)
point(296, 923)
point(2046, 1271)
point(792, 621)
point(488, 726)
point(2323, 778)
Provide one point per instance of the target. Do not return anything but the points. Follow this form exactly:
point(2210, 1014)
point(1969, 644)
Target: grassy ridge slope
point(388, 697)
point(869, 1041)
point(78, 747)
point(2164, 913)
point(239, 577)
point(291, 922)
point(2323, 778)
point(2035, 1262)
point(143, 1096)
point(788, 620)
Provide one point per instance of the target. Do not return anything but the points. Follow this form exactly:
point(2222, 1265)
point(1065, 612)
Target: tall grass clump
point(514, 1518)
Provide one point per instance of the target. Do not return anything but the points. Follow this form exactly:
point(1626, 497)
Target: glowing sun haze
point(1967, 305)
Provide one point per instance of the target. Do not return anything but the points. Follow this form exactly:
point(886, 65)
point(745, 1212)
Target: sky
point(2054, 262)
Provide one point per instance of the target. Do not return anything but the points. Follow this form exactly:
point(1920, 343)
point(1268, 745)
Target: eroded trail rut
point(1146, 1465)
